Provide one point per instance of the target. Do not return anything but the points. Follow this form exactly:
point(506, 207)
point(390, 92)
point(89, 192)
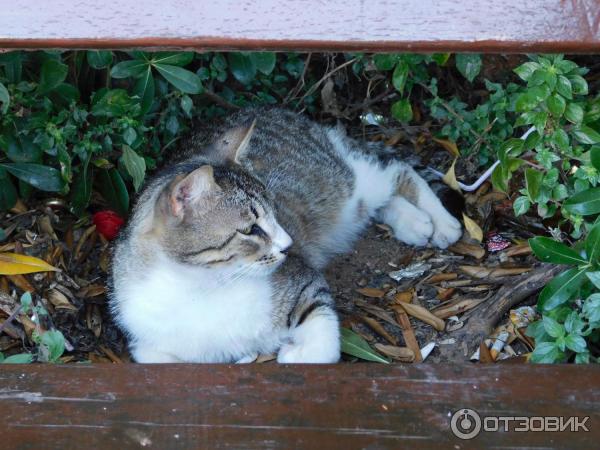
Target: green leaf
point(385, 61)
point(587, 135)
point(574, 113)
point(561, 289)
point(52, 74)
point(595, 157)
point(468, 64)
point(264, 61)
point(556, 104)
point(8, 192)
point(563, 87)
point(20, 358)
point(525, 70)
point(591, 308)
point(521, 205)
point(182, 79)
point(114, 102)
point(41, 177)
point(82, 188)
point(552, 327)
point(186, 105)
point(579, 85)
point(4, 99)
point(550, 251)
point(99, 59)
point(533, 181)
point(499, 180)
point(135, 166)
point(242, 67)
point(22, 149)
point(402, 110)
point(576, 343)
point(584, 203)
point(114, 191)
point(594, 278)
point(546, 352)
point(172, 58)
point(399, 76)
point(354, 345)
point(441, 58)
point(26, 302)
point(133, 68)
point(144, 89)
point(592, 244)
point(52, 346)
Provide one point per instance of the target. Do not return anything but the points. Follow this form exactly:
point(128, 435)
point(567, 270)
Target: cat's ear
point(186, 189)
point(233, 144)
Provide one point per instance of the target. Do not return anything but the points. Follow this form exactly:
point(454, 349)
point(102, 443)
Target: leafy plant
point(570, 303)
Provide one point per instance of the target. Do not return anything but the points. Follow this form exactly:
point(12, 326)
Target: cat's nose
point(282, 241)
point(285, 251)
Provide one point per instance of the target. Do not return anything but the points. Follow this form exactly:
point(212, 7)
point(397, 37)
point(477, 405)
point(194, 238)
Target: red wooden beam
point(272, 406)
point(315, 25)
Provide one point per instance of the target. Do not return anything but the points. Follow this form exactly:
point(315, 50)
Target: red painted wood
point(367, 25)
point(272, 406)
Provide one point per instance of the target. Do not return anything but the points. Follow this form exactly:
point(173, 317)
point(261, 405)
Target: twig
point(314, 87)
point(220, 101)
point(301, 83)
point(10, 318)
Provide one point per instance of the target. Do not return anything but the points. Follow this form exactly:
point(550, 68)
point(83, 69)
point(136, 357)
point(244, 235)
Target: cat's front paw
point(295, 353)
point(447, 230)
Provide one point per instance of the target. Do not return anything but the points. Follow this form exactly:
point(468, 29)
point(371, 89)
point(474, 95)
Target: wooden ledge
point(272, 406)
point(310, 25)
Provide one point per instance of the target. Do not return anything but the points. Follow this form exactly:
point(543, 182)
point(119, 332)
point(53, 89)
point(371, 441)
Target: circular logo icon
point(465, 424)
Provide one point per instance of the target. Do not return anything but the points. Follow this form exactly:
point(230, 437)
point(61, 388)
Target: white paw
point(294, 353)
point(447, 230)
point(414, 227)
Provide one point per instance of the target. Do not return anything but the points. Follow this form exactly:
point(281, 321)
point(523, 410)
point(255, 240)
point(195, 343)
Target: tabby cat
point(221, 258)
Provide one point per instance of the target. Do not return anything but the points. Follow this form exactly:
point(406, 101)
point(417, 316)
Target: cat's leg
point(147, 354)
point(408, 223)
point(314, 332)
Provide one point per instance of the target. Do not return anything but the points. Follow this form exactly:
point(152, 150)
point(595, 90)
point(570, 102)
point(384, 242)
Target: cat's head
point(220, 217)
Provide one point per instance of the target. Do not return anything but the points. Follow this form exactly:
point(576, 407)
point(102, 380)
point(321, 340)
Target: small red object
point(496, 242)
point(108, 223)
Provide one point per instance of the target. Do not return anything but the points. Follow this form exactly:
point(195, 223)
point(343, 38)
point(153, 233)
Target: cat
point(222, 257)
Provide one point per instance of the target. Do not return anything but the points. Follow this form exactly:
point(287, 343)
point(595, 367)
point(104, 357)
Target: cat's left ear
point(233, 144)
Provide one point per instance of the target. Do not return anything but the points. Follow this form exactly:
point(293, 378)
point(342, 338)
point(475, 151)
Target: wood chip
point(93, 290)
point(484, 354)
point(422, 314)
point(403, 354)
point(60, 300)
point(518, 250)
point(445, 293)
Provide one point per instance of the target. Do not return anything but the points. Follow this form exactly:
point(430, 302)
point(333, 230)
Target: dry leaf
point(16, 264)
point(450, 178)
point(493, 272)
point(378, 328)
point(21, 282)
point(441, 277)
point(518, 250)
point(473, 229)
point(463, 248)
point(409, 334)
point(422, 314)
point(404, 297)
point(60, 300)
point(456, 307)
point(445, 293)
point(403, 354)
point(371, 292)
point(448, 145)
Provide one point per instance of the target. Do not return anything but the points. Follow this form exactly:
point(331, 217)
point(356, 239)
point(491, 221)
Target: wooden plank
point(315, 25)
point(271, 406)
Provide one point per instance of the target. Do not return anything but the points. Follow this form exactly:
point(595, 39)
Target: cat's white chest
point(201, 320)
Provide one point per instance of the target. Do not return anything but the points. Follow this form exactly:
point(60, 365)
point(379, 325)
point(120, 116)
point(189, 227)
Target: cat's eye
point(254, 230)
